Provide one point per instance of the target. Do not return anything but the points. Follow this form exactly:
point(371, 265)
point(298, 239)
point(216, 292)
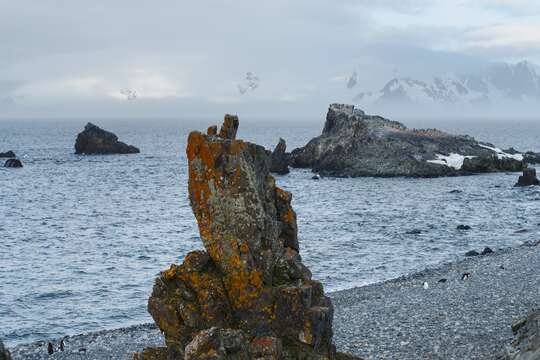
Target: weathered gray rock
point(248, 295)
point(355, 144)
point(93, 140)
point(528, 178)
point(526, 344)
point(280, 159)
point(13, 163)
point(531, 157)
point(7, 154)
point(4, 353)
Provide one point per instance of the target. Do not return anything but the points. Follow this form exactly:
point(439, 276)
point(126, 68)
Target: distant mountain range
point(500, 83)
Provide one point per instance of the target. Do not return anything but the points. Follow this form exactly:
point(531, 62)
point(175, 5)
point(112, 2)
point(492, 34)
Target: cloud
point(507, 36)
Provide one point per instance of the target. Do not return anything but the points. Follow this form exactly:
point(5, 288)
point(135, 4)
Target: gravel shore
point(396, 319)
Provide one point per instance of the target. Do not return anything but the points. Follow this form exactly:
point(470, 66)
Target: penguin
point(50, 349)
point(425, 285)
point(62, 345)
point(466, 276)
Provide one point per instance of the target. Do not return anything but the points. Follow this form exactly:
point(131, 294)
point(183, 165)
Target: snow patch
point(453, 160)
point(501, 154)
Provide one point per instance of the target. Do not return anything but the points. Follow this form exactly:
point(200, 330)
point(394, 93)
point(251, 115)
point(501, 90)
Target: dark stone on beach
point(463, 227)
point(4, 353)
point(280, 159)
point(472, 253)
point(247, 295)
point(442, 281)
point(8, 154)
point(354, 144)
point(93, 140)
point(486, 251)
point(526, 343)
point(528, 178)
point(456, 191)
point(13, 163)
point(316, 177)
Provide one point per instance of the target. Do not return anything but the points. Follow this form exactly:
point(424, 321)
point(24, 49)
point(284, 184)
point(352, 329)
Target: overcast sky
point(119, 58)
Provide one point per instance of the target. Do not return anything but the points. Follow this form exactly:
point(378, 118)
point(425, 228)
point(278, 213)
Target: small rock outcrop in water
point(280, 159)
point(248, 295)
point(4, 353)
point(13, 163)
point(93, 140)
point(355, 144)
point(7, 154)
point(531, 157)
point(528, 178)
point(526, 344)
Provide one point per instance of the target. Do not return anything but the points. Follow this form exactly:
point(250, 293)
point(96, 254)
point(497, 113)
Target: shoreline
point(396, 318)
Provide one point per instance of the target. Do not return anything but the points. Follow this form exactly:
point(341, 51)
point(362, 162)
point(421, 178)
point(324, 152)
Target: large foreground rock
point(7, 154)
point(355, 144)
point(526, 344)
point(528, 178)
point(96, 141)
point(248, 295)
point(4, 353)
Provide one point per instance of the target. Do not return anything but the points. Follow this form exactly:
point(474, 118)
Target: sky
point(103, 58)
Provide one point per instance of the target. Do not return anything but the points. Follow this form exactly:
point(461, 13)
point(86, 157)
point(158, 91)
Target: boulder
point(7, 154)
point(13, 163)
point(526, 343)
point(247, 295)
point(93, 140)
point(528, 178)
point(4, 353)
point(463, 227)
point(531, 157)
point(280, 159)
point(354, 144)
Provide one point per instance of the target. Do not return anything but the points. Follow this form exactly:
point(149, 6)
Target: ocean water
point(82, 238)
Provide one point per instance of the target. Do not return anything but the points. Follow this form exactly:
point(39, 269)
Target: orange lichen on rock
point(248, 295)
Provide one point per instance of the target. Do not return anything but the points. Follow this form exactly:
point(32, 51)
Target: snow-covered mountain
point(500, 84)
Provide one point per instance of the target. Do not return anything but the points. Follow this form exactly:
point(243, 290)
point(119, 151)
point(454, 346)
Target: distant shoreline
point(453, 319)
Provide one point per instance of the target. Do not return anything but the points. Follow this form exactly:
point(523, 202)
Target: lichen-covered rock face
point(248, 295)
point(93, 140)
point(355, 144)
point(526, 344)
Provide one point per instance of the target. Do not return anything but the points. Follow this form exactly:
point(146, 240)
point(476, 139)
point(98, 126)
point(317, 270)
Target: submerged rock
point(472, 253)
point(248, 295)
point(463, 227)
point(280, 159)
point(528, 178)
point(355, 144)
point(13, 163)
point(93, 140)
point(526, 343)
point(4, 353)
point(7, 154)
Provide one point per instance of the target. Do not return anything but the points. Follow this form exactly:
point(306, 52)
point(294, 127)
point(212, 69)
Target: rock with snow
point(355, 144)
point(93, 140)
point(531, 157)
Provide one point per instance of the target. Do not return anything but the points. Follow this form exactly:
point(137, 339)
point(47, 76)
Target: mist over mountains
point(502, 89)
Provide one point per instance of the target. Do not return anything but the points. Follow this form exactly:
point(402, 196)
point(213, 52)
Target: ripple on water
point(84, 237)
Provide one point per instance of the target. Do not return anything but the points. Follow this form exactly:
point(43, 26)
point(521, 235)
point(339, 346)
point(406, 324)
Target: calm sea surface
point(82, 238)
